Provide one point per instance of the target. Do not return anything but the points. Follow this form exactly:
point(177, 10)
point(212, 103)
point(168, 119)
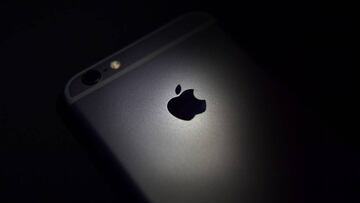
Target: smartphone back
point(183, 116)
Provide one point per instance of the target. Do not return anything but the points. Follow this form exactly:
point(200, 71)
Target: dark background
point(305, 46)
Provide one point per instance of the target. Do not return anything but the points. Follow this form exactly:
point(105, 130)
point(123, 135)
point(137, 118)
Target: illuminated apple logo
point(186, 106)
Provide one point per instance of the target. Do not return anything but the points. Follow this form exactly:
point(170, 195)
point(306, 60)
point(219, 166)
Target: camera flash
point(115, 65)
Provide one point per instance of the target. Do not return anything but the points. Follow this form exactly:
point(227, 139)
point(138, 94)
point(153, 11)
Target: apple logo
point(186, 105)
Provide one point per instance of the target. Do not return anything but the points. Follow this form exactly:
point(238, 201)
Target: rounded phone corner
point(67, 92)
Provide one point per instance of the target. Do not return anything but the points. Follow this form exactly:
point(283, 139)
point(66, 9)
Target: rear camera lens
point(91, 77)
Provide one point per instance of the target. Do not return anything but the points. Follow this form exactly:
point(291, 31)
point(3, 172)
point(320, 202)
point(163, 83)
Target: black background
point(305, 46)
